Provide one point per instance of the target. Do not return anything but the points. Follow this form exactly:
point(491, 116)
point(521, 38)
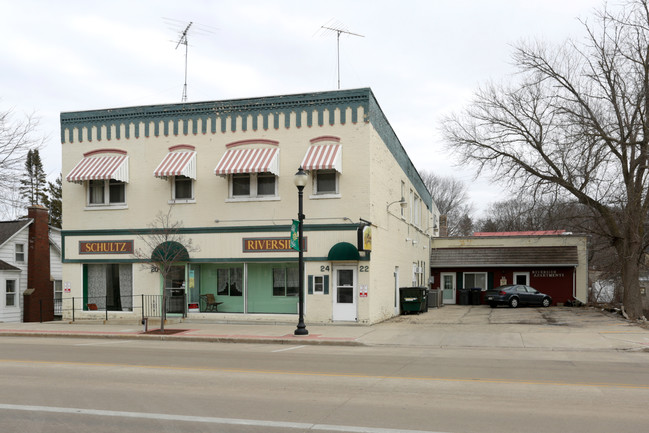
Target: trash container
point(433, 298)
point(413, 299)
point(475, 295)
point(464, 296)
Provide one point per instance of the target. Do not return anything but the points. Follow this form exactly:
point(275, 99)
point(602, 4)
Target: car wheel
point(493, 304)
point(546, 302)
point(513, 302)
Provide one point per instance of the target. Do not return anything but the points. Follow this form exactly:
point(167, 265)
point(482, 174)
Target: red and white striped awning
point(260, 160)
point(323, 157)
point(113, 167)
point(177, 164)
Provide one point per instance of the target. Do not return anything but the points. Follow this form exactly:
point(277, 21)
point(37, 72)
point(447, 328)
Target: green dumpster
point(413, 299)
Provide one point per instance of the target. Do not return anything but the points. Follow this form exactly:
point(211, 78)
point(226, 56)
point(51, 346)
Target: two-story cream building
point(224, 170)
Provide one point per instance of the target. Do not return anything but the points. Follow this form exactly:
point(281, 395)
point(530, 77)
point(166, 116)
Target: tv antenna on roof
point(339, 28)
point(183, 40)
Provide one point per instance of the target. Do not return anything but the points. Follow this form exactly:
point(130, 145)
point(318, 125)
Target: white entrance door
point(344, 293)
point(447, 285)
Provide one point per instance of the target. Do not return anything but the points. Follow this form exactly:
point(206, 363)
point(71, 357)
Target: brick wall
point(39, 305)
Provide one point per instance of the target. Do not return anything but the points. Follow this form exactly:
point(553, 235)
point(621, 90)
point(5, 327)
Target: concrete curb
point(188, 338)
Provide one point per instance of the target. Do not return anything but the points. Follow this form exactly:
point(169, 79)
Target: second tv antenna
point(183, 29)
point(338, 28)
point(183, 41)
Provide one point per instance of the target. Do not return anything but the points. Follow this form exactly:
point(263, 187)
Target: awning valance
point(260, 160)
point(343, 251)
point(113, 167)
point(177, 164)
point(323, 157)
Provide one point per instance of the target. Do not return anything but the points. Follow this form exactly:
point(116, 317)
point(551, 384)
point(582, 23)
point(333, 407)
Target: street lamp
point(300, 180)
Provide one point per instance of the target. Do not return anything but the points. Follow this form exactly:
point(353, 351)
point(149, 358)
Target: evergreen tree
point(33, 183)
point(53, 201)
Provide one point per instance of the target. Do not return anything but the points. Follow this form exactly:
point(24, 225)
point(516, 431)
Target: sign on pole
point(295, 236)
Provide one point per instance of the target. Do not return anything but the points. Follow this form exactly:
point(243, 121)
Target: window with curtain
point(110, 286)
point(286, 281)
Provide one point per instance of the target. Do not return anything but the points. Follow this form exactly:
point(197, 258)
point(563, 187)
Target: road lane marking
point(103, 342)
point(288, 348)
point(207, 419)
point(318, 374)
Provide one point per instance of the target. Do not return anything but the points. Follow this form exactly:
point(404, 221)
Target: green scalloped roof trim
point(314, 104)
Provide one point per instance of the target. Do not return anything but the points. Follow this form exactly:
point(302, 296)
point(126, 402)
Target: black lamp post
point(300, 180)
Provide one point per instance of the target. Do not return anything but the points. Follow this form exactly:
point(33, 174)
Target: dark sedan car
point(515, 295)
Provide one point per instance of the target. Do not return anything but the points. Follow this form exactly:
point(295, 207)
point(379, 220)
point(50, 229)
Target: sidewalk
point(554, 328)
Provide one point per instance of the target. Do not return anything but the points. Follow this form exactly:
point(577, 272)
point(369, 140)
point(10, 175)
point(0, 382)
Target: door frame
point(354, 307)
point(525, 274)
point(441, 286)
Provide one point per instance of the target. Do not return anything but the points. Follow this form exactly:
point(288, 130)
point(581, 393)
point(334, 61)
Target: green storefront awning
point(170, 251)
point(343, 251)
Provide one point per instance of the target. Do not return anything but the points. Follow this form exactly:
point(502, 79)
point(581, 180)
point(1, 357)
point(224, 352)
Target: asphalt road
point(62, 385)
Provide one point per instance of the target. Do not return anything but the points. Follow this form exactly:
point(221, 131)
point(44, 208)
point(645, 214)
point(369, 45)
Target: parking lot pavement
point(451, 326)
point(479, 326)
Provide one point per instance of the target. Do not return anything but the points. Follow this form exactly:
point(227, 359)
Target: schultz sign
point(106, 247)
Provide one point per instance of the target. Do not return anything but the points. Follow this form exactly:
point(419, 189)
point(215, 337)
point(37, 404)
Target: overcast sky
point(422, 59)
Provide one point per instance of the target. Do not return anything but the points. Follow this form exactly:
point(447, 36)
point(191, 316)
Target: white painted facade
point(13, 282)
point(373, 174)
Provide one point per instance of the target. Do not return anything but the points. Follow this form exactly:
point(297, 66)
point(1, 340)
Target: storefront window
point(285, 281)
point(272, 288)
point(230, 282)
point(109, 286)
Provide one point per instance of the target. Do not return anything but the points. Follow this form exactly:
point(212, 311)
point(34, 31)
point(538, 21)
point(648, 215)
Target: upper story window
point(325, 182)
point(105, 172)
point(179, 165)
point(183, 188)
point(403, 194)
point(106, 193)
point(324, 160)
point(20, 253)
point(251, 167)
point(251, 185)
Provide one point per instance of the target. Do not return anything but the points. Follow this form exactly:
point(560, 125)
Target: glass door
point(344, 294)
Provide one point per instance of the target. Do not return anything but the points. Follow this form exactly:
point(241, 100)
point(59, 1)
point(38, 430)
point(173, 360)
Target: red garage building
point(553, 262)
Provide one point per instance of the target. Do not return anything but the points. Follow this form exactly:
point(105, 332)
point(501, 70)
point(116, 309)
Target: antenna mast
point(339, 29)
point(183, 41)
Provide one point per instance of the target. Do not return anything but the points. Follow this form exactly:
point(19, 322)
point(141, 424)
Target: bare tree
point(452, 199)
point(17, 137)
point(575, 124)
point(164, 246)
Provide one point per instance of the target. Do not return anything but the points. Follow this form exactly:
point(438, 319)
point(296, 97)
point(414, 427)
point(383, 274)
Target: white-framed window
point(403, 195)
point(20, 253)
point(10, 292)
point(325, 182)
point(253, 186)
point(106, 192)
point(318, 284)
point(182, 188)
point(417, 212)
point(475, 279)
point(58, 297)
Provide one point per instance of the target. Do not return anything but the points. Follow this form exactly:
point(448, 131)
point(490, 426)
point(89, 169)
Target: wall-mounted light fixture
point(402, 202)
